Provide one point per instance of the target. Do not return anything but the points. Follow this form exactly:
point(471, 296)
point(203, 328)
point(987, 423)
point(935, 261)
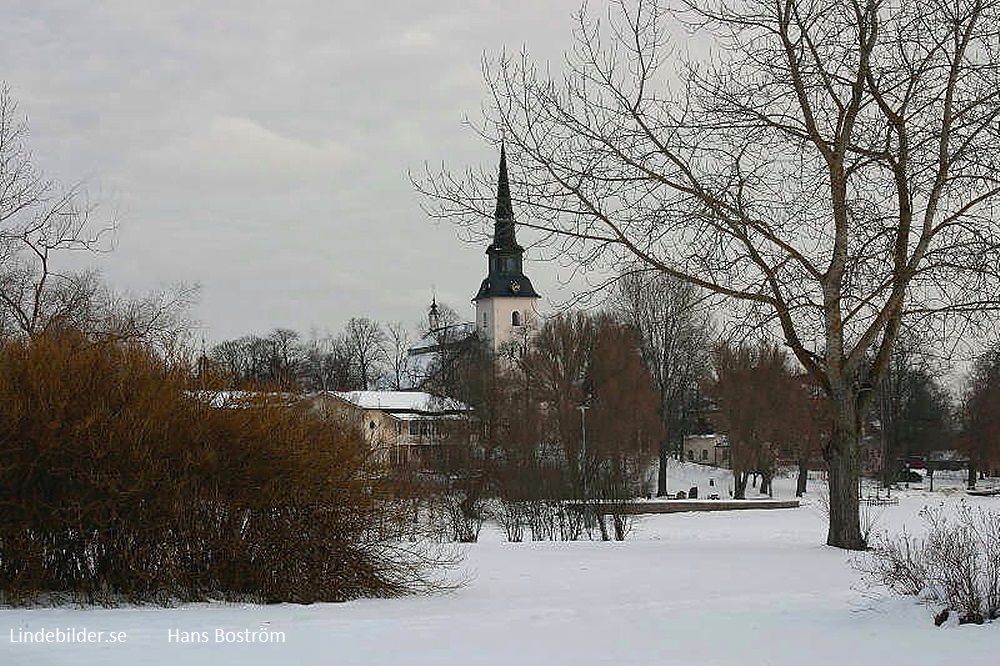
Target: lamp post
point(583, 407)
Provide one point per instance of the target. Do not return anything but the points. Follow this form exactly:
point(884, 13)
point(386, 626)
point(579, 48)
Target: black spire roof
point(504, 209)
point(503, 225)
point(506, 276)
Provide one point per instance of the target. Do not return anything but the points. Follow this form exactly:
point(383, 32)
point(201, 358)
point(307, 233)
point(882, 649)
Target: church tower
point(506, 300)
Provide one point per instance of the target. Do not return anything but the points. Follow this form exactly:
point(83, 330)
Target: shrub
point(117, 484)
point(957, 563)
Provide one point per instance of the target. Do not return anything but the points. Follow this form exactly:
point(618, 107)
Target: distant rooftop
point(402, 401)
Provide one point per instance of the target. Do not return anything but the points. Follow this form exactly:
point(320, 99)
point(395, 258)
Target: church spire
point(503, 225)
point(504, 209)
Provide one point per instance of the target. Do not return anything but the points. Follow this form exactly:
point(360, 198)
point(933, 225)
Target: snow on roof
point(422, 358)
point(230, 399)
point(402, 401)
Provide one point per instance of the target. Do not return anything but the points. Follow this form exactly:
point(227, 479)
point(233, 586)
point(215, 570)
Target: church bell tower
point(505, 303)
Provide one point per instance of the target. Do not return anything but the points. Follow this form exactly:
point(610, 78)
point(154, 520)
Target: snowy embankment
point(697, 589)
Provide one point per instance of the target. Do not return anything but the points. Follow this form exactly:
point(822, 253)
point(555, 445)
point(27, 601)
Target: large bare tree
point(39, 220)
point(831, 170)
point(674, 333)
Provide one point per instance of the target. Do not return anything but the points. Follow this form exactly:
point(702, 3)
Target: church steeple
point(505, 304)
point(506, 276)
point(434, 315)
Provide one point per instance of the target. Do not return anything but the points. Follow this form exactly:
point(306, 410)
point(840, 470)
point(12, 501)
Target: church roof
point(423, 357)
point(433, 340)
point(509, 287)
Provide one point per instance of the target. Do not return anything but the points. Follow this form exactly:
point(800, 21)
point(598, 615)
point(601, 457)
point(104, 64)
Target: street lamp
point(583, 407)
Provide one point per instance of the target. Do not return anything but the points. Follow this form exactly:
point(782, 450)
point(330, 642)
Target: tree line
point(752, 390)
point(367, 354)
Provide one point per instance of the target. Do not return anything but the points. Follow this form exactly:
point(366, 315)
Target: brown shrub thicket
point(117, 484)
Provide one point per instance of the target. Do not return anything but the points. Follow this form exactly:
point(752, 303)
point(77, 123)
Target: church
point(506, 303)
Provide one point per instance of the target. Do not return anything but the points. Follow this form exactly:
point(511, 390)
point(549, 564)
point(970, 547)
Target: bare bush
point(957, 563)
point(462, 512)
point(511, 516)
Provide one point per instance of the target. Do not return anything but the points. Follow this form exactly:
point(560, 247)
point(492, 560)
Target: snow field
point(699, 589)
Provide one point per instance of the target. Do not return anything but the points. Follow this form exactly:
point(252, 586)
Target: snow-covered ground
point(750, 587)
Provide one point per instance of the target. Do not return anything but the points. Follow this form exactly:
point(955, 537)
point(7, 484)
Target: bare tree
point(39, 219)
point(804, 424)
point(672, 323)
point(981, 429)
point(745, 408)
point(398, 343)
point(285, 357)
point(832, 172)
point(277, 360)
point(914, 410)
point(365, 342)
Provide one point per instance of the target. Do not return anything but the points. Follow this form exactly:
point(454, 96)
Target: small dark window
point(704, 454)
point(515, 318)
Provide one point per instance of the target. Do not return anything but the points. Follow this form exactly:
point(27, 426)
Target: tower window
point(515, 318)
point(484, 320)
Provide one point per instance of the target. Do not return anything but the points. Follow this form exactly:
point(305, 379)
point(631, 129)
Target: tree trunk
point(841, 454)
point(972, 474)
point(800, 483)
point(740, 479)
point(765, 484)
point(661, 475)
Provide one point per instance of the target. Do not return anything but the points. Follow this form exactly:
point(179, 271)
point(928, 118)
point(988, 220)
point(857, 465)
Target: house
point(707, 449)
point(405, 429)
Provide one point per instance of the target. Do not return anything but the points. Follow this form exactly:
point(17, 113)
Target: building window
point(704, 454)
point(690, 455)
point(515, 318)
point(484, 320)
point(414, 429)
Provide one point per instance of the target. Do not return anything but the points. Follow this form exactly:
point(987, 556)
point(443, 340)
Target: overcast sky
point(261, 149)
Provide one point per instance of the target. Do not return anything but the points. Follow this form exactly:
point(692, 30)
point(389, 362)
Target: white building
point(707, 449)
point(402, 428)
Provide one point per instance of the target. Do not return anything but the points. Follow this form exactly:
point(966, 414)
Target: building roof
point(442, 337)
point(412, 402)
